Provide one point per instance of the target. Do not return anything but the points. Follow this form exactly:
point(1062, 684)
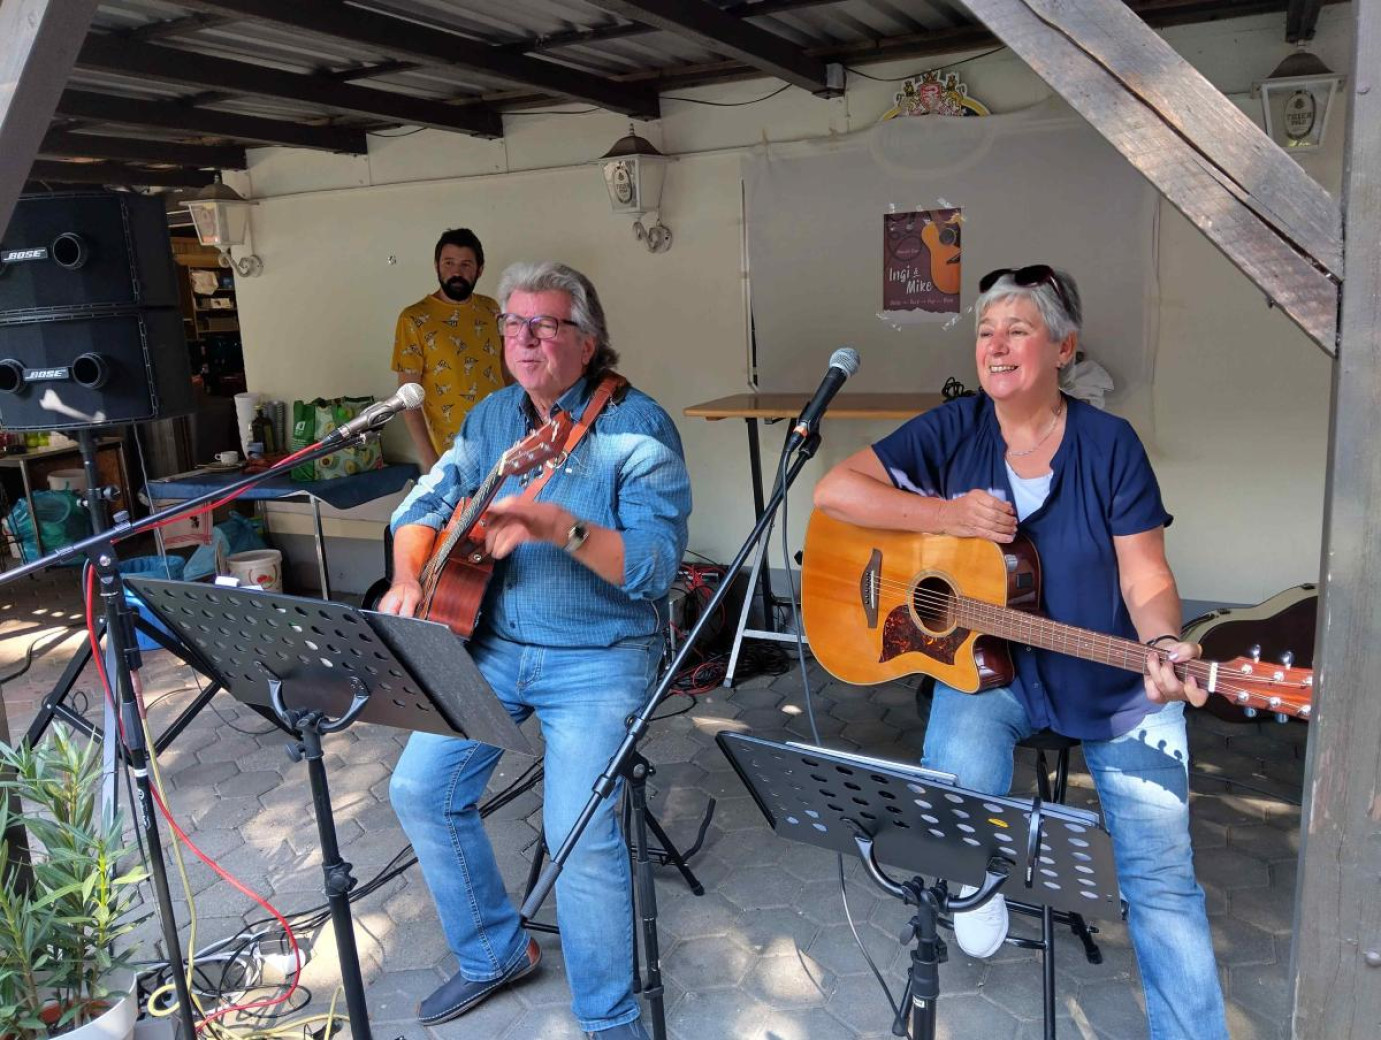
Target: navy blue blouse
point(1102, 485)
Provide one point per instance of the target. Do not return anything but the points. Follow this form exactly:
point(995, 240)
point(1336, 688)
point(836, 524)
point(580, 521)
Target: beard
point(457, 289)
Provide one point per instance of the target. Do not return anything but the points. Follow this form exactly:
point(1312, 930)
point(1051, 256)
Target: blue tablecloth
point(340, 493)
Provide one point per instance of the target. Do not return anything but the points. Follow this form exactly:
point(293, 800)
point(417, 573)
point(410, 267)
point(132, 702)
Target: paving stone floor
point(767, 952)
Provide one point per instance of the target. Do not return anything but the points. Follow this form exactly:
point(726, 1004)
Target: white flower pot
point(115, 1024)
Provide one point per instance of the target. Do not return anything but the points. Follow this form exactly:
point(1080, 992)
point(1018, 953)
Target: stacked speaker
point(90, 329)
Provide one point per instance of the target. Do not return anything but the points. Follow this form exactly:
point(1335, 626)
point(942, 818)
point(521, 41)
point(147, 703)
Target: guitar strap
point(609, 386)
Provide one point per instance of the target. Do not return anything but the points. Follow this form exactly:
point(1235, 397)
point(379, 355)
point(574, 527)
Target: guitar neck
point(1018, 626)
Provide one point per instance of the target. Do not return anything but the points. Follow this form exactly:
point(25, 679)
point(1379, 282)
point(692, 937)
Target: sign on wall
point(921, 265)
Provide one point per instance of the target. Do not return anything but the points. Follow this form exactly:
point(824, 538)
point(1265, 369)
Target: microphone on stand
point(843, 363)
point(409, 396)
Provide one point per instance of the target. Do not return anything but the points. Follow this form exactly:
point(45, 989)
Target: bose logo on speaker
point(13, 256)
point(37, 375)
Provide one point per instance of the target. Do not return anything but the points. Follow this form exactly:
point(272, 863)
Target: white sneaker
point(980, 933)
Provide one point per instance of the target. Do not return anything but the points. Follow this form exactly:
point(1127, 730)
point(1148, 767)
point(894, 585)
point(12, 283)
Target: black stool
point(1042, 742)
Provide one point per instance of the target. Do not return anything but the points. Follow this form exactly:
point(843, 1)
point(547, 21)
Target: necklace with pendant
point(1044, 437)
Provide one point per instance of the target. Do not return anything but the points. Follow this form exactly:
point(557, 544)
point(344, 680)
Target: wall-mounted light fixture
point(221, 217)
point(1296, 99)
point(633, 173)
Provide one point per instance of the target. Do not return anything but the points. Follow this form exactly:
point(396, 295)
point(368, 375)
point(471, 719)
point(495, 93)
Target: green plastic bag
point(354, 459)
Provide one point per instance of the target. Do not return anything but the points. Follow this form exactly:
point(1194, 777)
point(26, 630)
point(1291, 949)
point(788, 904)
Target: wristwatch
point(576, 536)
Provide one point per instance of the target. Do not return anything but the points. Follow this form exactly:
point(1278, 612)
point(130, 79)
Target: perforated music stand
point(319, 667)
point(922, 821)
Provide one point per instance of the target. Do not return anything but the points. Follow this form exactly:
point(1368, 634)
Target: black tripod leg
point(55, 704)
point(670, 852)
point(647, 899)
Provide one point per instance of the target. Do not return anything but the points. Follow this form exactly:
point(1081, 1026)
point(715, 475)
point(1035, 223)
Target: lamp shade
point(1296, 99)
point(220, 215)
point(633, 173)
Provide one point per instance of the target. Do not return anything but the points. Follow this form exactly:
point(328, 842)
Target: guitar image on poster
point(921, 264)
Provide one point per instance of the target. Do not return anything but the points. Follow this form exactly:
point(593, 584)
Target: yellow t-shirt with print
point(458, 353)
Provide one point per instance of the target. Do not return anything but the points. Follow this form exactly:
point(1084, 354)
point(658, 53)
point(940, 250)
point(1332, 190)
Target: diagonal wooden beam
point(1146, 66)
point(166, 65)
point(1246, 228)
point(173, 27)
point(39, 40)
point(58, 144)
point(709, 26)
point(118, 173)
point(408, 41)
point(104, 108)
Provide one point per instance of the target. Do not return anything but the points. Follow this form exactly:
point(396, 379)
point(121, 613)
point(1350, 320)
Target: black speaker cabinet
point(85, 250)
point(94, 370)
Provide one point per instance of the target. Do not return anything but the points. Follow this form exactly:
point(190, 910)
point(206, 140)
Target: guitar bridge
point(870, 587)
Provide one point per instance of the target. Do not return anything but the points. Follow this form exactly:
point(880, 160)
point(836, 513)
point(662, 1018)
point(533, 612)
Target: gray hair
point(586, 310)
point(1058, 321)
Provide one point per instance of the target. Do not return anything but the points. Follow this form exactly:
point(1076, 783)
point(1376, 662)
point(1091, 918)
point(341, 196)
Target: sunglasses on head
point(1026, 278)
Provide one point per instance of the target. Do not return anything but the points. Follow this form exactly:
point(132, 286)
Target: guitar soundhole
point(932, 601)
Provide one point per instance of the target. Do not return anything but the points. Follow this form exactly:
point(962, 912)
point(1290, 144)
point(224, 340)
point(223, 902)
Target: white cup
point(228, 458)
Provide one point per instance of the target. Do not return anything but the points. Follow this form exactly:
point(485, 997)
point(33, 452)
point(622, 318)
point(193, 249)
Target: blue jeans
point(1143, 787)
point(581, 697)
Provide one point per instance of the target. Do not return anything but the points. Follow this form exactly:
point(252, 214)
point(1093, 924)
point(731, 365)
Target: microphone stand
point(99, 549)
point(638, 724)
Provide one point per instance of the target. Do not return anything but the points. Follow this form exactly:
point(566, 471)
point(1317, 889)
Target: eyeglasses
point(542, 326)
point(1026, 277)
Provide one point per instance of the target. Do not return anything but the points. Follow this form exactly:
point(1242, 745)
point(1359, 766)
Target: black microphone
point(409, 395)
point(843, 363)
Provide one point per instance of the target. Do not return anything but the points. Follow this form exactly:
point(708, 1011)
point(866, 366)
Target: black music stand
point(319, 667)
point(1049, 855)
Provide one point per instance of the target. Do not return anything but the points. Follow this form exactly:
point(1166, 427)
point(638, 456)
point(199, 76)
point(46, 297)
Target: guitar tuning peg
point(1287, 658)
point(1249, 712)
point(1281, 717)
point(1254, 652)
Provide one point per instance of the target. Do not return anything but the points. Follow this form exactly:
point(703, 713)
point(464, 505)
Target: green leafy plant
point(59, 933)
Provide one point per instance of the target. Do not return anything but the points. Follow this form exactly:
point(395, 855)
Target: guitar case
point(1284, 623)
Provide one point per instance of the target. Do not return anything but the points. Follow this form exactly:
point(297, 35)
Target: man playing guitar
point(569, 630)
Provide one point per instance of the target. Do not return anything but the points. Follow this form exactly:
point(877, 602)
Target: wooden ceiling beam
point(58, 144)
point(400, 39)
point(166, 65)
point(106, 108)
point(722, 33)
point(118, 173)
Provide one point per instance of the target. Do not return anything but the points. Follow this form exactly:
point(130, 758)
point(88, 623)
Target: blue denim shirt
point(628, 473)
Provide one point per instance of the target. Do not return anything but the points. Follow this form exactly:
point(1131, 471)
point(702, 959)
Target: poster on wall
point(921, 265)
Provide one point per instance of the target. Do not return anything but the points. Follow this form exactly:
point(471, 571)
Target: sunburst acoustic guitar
point(879, 605)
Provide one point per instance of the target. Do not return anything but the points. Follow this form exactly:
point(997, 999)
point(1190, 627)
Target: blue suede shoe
point(628, 1031)
point(458, 994)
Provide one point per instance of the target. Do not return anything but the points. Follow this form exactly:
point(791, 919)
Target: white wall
point(1241, 397)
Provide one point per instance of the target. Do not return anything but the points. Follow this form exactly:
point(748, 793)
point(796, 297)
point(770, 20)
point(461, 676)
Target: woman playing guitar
point(1075, 482)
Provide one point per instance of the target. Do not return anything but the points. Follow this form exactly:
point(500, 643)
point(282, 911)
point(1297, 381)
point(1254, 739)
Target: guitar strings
point(979, 611)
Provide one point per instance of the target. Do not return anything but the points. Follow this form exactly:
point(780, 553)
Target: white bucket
point(261, 567)
point(67, 480)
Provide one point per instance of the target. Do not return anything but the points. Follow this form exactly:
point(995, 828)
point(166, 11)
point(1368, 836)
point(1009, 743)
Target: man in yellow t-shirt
point(449, 343)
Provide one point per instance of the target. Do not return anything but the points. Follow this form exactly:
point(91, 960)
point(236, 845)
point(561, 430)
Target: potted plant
point(61, 969)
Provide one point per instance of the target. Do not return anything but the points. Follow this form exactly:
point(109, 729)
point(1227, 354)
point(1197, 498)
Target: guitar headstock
point(538, 447)
point(1260, 685)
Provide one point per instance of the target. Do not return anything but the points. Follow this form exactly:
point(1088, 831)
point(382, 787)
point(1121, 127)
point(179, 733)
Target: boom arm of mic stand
point(604, 786)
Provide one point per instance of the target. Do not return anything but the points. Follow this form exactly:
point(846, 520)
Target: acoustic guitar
point(457, 574)
point(879, 605)
point(943, 242)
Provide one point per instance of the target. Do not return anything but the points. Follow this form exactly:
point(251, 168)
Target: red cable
point(181, 834)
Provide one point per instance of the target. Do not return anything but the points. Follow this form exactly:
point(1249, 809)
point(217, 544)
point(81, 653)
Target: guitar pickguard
point(901, 635)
